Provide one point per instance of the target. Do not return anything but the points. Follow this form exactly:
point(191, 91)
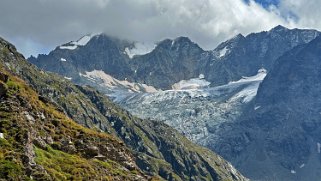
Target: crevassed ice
point(193, 111)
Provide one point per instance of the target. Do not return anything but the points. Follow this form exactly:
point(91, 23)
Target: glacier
point(197, 113)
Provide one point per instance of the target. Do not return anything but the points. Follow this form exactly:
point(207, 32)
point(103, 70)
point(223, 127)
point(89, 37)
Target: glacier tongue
point(197, 113)
point(193, 108)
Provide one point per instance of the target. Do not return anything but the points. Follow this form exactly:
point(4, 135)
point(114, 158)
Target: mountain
point(152, 149)
point(208, 95)
point(38, 142)
point(243, 56)
point(268, 131)
point(283, 134)
point(170, 61)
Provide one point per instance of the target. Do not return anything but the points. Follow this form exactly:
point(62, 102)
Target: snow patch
point(249, 92)
point(319, 147)
point(63, 60)
point(74, 44)
point(1, 136)
point(68, 78)
point(111, 82)
point(261, 73)
point(301, 166)
point(139, 49)
point(70, 47)
point(84, 40)
point(293, 171)
point(257, 107)
point(223, 52)
point(173, 42)
point(195, 83)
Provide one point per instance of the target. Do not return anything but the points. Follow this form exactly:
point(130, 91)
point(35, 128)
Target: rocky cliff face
point(158, 150)
point(243, 56)
point(283, 134)
point(171, 61)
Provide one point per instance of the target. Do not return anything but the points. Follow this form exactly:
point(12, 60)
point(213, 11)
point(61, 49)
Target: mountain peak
point(75, 44)
point(231, 42)
point(279, 28)
point(178, 42)
point(183, 39)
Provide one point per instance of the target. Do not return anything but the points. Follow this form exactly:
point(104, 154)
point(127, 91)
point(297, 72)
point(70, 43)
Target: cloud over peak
point(44, 24)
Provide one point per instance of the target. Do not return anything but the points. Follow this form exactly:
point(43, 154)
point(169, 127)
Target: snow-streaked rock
point(139, 49)
point(113, 87)
point(74, 44)
point(223, 52)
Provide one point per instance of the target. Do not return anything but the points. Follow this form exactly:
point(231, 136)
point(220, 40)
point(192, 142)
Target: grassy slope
point(159, 150)
point(42, 143)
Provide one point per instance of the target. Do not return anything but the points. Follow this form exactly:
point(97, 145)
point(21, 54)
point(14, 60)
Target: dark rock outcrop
point(283, 134)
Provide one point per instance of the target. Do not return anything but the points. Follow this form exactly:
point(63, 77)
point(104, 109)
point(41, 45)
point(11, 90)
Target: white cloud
point(306, 13)
point(207, 22)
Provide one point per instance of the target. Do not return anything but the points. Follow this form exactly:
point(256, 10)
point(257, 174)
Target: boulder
point(3, 77)
point(3, 89)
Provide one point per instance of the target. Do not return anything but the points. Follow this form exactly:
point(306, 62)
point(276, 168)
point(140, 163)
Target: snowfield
point(114, 88)
point(74, 44)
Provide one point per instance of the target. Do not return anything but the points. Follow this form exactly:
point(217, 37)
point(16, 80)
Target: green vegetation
point(27, 122)
point(10, 170)
point(64, 166)
point(37, 129)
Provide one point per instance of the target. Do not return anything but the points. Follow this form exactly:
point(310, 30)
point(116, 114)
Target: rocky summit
point(170, 61)
point(52, 129)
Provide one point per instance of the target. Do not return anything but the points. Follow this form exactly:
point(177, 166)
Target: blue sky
point(266, 3)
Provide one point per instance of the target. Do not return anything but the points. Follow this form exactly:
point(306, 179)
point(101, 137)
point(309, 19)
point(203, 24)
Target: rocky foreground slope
point(41, 142)
point(38, 142)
